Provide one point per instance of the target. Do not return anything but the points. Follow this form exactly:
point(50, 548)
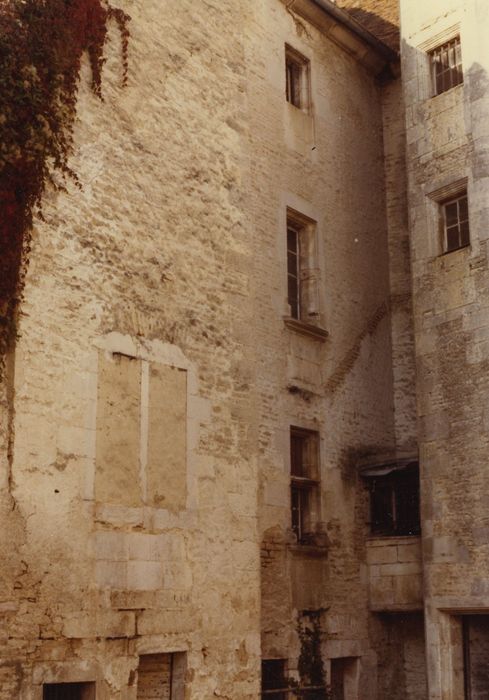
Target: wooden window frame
point(303, 277)
point(394, 503)
point(297, 79)
point(304, 483)
point(456, 231)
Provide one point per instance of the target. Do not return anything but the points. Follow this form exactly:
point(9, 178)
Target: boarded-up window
point(167, 442)
point(118, 430)
point(155, 677)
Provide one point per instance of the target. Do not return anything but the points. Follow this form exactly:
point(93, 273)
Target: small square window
point(297, 79)
point(446, 66)
point(304, 483)
point(455, 214)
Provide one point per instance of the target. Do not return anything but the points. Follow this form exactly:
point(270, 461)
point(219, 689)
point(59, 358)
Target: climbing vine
point(41, 47)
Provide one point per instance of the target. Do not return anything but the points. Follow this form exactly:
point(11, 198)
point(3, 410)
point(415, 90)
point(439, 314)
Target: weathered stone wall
point(327, 165)
point(447, 142)
point(131, 538)
point(399, 640)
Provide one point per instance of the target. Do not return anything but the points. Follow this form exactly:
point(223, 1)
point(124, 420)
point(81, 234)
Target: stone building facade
point(264, 308)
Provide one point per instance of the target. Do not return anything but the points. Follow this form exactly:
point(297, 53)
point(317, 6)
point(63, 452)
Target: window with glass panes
point(293, 268)
point(456, 223)
point(304, 468)
point(446, 66)
point(296, 79)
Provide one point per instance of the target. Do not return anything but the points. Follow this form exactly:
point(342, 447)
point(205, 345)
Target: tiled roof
point(380, 17)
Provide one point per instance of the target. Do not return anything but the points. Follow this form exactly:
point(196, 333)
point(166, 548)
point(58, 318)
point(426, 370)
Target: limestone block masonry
point(129, 501)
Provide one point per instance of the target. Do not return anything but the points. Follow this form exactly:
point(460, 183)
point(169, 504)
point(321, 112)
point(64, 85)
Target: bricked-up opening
point(455, 213)
point(296, 79)
point(274, 679)
point(343, 678)
point(446, 66)
point(69, 691)
point(476, 656)
point(304, 483)
point(161, 676)
point(394, 502)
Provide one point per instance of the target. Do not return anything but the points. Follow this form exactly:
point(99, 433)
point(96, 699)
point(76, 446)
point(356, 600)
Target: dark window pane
point(381, 504)
point(64, 691)
point(296, 454)
point(464, 233)
point(451, 213)
point(453, 238)
point(292, 240)
point(463, 209)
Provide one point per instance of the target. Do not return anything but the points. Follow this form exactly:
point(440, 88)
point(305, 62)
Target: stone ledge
point(307, 329)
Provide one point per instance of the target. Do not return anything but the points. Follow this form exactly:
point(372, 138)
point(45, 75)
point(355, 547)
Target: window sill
point(307, 329)
point(393, 539)
point(311, 551)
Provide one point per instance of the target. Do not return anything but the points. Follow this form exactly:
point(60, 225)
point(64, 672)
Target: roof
point(379, 17)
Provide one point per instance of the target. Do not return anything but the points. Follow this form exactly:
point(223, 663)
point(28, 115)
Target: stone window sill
point(309, 550)
point(307, 329)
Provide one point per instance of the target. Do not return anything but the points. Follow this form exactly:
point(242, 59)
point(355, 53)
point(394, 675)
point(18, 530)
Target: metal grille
point(446, 66)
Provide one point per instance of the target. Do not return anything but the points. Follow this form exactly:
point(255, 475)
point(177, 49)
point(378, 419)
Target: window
point(68, 691)
point(304, 486)
point(446, 66)
point(455, 213)
point(302, 270)
point(274, 679)
point(394, 502)
point(296, 79)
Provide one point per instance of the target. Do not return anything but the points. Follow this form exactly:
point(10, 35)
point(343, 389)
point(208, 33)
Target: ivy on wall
point(41, 47)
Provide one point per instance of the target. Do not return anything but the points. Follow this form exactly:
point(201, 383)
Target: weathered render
point(241, 329)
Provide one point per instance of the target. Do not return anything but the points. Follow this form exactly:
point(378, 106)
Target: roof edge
point(350, 23)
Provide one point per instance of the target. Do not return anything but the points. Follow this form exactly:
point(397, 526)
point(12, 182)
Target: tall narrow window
point(296, 79)
point(293, 268)
point(302, 268)
point(304, 485)
point(446, 66)
point(456, 222)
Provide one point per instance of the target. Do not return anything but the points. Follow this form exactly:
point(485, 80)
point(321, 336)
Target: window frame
point(460, 221)
point(398, 487)
point(302, 269)
point(297, 79)
point(437, 56)
point(304, 484)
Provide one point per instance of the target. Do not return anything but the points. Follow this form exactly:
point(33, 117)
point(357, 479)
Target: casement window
point(304, 483)
point(297, 89)
point(302, 269)
point(455, 216)
point(394, 501)
point(446, 66)
point(274, 679)
point(68, 691)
